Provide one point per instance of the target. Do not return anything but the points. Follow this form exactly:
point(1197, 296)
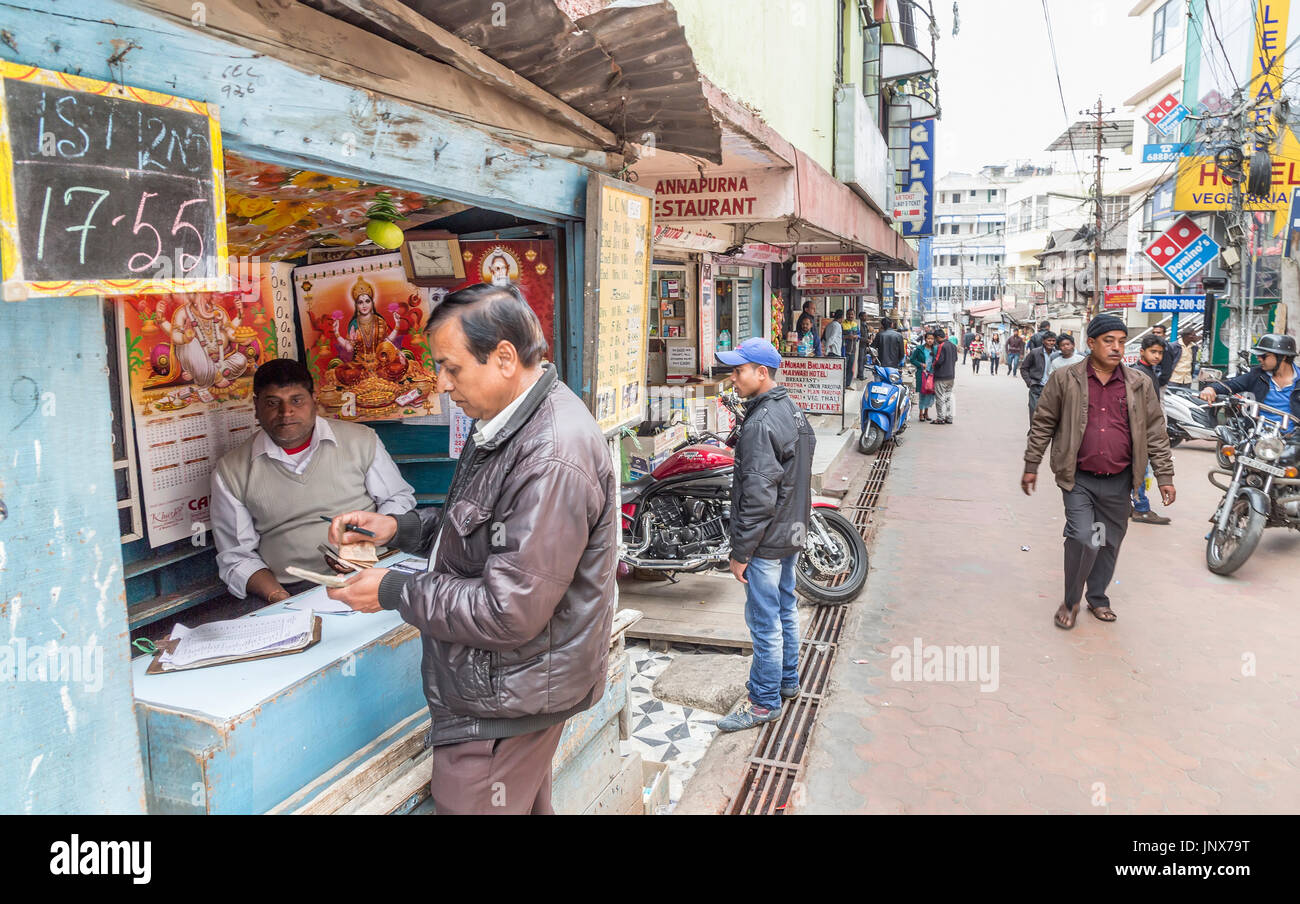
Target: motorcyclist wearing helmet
point(1272, 382)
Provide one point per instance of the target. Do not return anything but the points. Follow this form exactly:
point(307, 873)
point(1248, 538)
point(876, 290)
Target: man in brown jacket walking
point(1104, 421)
point(517, 601)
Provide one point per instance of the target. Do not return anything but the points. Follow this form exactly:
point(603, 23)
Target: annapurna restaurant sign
point(751, 195)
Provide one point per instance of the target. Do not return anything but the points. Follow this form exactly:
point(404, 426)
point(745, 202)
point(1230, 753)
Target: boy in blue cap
point(771, 504)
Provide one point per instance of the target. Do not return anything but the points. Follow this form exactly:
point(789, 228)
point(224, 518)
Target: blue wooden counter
point(240, 738)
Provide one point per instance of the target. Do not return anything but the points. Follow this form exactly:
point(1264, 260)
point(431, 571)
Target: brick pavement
point(1150, 714)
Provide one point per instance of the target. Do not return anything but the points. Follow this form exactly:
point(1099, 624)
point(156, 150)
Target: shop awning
point(628, 66)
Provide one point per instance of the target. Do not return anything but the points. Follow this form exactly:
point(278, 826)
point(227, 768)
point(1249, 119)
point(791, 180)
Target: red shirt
point(1107, 446)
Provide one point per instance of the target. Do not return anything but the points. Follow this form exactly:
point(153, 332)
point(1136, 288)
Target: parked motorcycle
point(677, 520)
point(1187, 417)
point(1264, 487)
point(886, 401)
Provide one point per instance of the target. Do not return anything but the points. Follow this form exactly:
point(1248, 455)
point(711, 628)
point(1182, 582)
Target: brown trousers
point(509, 776)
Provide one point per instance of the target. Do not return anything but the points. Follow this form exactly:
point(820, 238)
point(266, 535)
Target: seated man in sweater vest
point(268, 494)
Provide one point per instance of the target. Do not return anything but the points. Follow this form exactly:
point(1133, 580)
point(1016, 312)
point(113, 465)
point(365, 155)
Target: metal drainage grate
point(777, 758)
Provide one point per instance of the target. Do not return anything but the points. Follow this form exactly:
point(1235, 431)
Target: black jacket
point(1256, 381)
point(1169, 361)
point(515, 611)
point(889, 346)
point(1035, 341)
point(945, 361)
point(1154, 375)
point(771, 488)
point(1031, 369)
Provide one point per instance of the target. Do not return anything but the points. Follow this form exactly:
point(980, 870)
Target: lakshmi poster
point(191, 359)
point(530, 265)
point(363, 329)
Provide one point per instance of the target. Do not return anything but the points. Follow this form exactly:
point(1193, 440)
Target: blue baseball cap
point(753, 351)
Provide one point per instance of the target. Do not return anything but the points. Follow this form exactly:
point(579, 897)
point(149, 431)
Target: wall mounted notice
point(106, 189)
point(620, 220)
point(815, 384)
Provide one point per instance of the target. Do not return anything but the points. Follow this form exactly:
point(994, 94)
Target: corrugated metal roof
point(628, 66)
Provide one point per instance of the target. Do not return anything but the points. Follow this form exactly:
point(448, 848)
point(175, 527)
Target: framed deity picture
point(432, 257)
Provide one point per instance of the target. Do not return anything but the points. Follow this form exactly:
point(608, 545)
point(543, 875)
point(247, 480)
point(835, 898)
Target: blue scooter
point(886, 402)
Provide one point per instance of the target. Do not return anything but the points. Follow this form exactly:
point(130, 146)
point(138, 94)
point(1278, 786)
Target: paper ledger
point(236, 639)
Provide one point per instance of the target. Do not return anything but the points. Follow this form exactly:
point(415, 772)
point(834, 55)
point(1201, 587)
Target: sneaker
point(748, 715)
point(789, 693)
point(1150, 518)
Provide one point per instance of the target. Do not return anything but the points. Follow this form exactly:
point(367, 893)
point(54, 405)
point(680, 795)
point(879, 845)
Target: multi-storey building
point(968, 249)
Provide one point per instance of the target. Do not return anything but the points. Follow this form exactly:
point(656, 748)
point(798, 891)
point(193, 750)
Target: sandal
point(1103, 613)
point(1064, 617)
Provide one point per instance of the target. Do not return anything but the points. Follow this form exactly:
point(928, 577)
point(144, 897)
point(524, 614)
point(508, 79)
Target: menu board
point(708, 326)
point(191, 359)
point(106, 189)
point(816, 385)
point(619, 227)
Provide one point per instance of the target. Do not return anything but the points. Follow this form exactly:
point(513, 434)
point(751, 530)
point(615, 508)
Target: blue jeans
point(1013, 364)
point(773, 620)
point(1140, 502)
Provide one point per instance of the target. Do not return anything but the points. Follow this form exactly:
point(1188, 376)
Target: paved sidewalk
point(1157, 712)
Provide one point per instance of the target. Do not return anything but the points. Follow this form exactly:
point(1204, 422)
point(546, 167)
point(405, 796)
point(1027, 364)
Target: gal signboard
point(920, 178)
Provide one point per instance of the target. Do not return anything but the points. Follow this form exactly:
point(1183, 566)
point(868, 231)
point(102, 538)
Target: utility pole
point(1098, 125)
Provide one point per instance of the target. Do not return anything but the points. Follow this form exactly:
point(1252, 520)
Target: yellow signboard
point(619, 276)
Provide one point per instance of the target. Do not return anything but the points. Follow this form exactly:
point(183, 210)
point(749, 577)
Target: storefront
point(148, 383)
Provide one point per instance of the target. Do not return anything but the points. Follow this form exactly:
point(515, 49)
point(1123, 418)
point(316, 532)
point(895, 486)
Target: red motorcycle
point(676, 520)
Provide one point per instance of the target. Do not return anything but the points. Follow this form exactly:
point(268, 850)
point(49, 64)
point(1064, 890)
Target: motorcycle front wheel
point(1226, 552)
point(832, 577)
point(871, 439)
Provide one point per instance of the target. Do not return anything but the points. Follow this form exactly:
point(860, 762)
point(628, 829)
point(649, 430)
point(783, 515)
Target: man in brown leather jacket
point(1104, 422)
point(516, 606)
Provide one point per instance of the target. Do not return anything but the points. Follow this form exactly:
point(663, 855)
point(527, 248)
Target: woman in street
point(995, 352)
point(976, 351)
point(921, 358)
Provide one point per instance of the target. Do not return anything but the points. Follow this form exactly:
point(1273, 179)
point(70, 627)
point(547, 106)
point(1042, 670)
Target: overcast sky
point(997, 84)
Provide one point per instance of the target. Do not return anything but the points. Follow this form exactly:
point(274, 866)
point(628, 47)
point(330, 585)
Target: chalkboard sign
point(107, 190)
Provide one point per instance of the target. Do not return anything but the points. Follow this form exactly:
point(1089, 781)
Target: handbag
point(927, 383)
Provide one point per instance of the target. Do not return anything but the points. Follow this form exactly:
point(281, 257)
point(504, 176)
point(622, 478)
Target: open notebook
point(236, 640)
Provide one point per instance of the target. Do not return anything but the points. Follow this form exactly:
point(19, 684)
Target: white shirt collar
point(489, 430)
point(264, 445)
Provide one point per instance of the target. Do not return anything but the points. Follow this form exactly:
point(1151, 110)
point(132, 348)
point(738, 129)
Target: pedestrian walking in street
point(1153, 351)
point(1066, 354)
point(995, 352)
point(966, 340)
point(851, 346)
point(1184, 369)
point(1103, 421)
point(1036, 340)
point(771, 505)
point(1015, 351)
point(833, 336)
point(1034, 370)
point(922, 358)
point(976, 352)
point(888, 345)
point(1172, 353)
point(515, 604)
point(944, 368)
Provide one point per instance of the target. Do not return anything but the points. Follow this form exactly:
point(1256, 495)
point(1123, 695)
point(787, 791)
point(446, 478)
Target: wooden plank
point(361, 770)
point(622, 795)
point(398, 788)
point(665, 631)
point(297, 116)
point(442, 45)
point(580, 729)
point(318, 43)
point(586, 774)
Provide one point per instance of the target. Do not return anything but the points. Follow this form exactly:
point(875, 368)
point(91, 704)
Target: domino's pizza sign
point(1182, 250)
point(1167, 114)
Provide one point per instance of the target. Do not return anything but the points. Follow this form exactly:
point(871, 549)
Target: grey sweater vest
point(286, 507)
